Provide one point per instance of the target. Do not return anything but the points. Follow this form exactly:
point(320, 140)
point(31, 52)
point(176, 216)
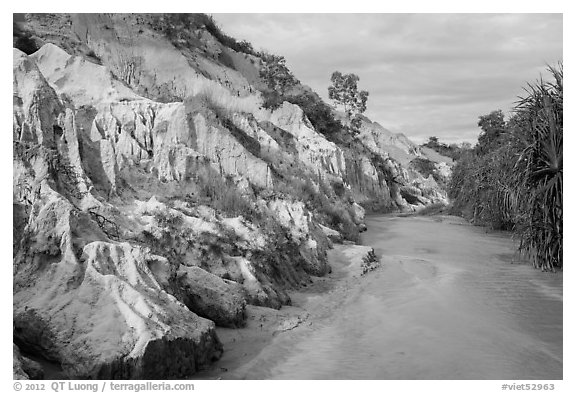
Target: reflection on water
point(450, 302)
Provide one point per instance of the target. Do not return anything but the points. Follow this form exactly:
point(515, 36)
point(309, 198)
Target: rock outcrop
point(155, 195)
point(415, 188)
point(24, 368)
point(95, 307)
point(223, 301)
point(313, 149)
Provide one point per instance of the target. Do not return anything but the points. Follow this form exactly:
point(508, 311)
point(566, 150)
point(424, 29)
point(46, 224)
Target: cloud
point(426, 73)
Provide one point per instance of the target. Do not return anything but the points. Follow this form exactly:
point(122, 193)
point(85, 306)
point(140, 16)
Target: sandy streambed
point(269, 334)
point(450, 301)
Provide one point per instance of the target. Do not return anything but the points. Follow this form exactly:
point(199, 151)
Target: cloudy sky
point(427, 74)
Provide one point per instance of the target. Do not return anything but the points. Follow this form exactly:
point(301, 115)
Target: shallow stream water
point(450, 301)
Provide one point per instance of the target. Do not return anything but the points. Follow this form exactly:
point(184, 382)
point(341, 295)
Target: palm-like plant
point(515, 182)
point(538, 171)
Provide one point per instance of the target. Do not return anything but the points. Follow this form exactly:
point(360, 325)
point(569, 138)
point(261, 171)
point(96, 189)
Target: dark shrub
point(226, 60)
point(318, 112)
point(272, 100)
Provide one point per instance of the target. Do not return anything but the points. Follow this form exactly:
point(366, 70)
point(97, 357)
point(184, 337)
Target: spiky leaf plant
point(538, 171)
point(515, 181)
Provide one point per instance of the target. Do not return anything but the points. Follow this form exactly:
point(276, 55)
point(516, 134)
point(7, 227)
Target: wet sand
point(450, 301)
point(268, 332)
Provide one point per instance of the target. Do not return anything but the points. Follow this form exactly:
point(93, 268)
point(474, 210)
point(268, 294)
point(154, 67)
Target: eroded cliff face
point(414, 188)
point(154, 197)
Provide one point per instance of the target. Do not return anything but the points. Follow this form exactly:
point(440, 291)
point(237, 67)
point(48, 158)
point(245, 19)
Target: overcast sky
point(427, 74)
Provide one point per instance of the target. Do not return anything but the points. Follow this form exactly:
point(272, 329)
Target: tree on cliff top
point(344, 92)
point(276, 74)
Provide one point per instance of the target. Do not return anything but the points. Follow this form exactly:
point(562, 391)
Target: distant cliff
point(155, 195)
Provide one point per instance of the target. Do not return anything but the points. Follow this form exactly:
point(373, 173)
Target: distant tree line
point(512, 179)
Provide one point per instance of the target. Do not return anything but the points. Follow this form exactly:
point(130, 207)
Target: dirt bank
point(268, 331)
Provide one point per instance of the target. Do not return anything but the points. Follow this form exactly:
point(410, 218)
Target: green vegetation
point(344, 92)
point(493, 127)
point(272, 100)
point(276, 74)
point(226, 59)
point(180, 30)
point(214, 29)
point(324, 199)
point(317, 111)
point(512, 179)
point(452, 150)
point(165, 219)
point(319, 114)
point(223, 195)
point(327, 201)
point(280, 82)
point(224, 116)
point(426, 168)
point(278, 78)
point(336, 215)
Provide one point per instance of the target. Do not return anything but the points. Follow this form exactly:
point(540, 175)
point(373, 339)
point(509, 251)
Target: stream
point(450, 301)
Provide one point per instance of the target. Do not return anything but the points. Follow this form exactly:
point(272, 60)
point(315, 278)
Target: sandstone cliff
point(155, 196)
